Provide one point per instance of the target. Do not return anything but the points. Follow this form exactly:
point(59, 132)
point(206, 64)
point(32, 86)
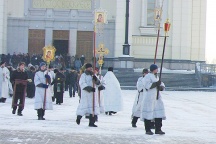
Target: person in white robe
point(42, 82)
point(4, 82)
point(136, 111)
point(153, 108)
point(88, 84)
point(112, 93)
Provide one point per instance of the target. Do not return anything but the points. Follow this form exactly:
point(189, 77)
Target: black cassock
point(30, 85)
point(59, 87)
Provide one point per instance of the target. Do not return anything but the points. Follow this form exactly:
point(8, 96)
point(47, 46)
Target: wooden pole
point(164, 47)
point(94, 65)
point(156, 49)
point(44, 103)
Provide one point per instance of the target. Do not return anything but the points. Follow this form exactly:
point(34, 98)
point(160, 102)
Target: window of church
point(150, 12)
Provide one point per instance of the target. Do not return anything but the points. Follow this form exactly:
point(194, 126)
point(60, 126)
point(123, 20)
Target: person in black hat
point(87, 83)
point(4, 82)
point(153, 108)
point(138, 99)
point(20, 74)
point(71, 79)
point(59, 86)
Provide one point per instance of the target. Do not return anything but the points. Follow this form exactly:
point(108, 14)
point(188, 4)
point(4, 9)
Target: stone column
point(48, 36)
point(72, 42)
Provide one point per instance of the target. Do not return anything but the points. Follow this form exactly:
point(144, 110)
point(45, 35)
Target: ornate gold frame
point(49, 53)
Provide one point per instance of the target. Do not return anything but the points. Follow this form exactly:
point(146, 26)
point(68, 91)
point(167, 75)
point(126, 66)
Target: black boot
point(152, 125)
point(148, 127)
point(106, 113)
point(53, 99)
point(19, 113)
point(40, 114)
point(3, 100)
point(134, 121)
point(158, 125)
point(13, 111)
point(92, 121)
point(43, 113)
point(78, 119)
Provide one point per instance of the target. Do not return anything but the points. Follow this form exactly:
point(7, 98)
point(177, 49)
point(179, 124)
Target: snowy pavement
point(191, 118)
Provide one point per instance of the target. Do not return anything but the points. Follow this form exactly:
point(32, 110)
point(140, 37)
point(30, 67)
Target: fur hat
point(88, 65)
point(153, 67)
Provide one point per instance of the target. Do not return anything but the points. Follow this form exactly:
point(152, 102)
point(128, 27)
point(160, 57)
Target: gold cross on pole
point(101, 50)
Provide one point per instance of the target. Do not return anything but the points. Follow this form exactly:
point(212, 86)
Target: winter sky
point(211, 31)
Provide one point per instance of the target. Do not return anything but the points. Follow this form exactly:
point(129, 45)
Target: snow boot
point(134, 121)
point(92, 121)
point(158, 125)
point(78, 119)
point(148, 127)
point(149, 132)
point(13, 111)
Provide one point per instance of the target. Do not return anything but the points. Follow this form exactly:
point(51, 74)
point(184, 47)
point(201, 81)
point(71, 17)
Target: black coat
point(59, 79)
point(72, 77)
point(17, 74)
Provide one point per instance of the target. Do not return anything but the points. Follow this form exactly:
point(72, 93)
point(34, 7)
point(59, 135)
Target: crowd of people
point(61, 60)
point(98, 94)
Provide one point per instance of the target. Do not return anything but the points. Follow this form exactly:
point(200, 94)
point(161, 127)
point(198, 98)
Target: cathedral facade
point(27, 26)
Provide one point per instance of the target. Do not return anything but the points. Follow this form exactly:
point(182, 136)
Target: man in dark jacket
point(72, 81)
point(58, 86)
point(20, 74)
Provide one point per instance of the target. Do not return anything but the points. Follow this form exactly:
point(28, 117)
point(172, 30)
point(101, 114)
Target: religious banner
point(63, 4)
point(49, 53)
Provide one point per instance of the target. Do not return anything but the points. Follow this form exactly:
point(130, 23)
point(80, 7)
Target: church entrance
point(61, 41)
point(36, 41)
point(85, 45)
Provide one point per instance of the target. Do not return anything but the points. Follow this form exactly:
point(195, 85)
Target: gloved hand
point(158, 83)
point(160, 88)
point(93, 89)
point(101, 88)
point(89, 89)
point(45, 86)
point(94, 78)
point(47, 76)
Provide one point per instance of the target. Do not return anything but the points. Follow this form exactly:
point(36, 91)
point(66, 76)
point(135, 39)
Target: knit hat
point(110, 69)
point(56, 70)
point(145, 71)
point(153, 67)
point(88, 65)
point(42, 64)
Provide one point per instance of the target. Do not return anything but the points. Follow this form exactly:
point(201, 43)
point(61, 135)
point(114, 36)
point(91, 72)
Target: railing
point(206, 74)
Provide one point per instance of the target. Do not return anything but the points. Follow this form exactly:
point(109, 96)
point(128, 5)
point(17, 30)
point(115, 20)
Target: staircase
point(173, 81)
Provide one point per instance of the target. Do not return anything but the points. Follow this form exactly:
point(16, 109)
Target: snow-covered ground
point(191, 118)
